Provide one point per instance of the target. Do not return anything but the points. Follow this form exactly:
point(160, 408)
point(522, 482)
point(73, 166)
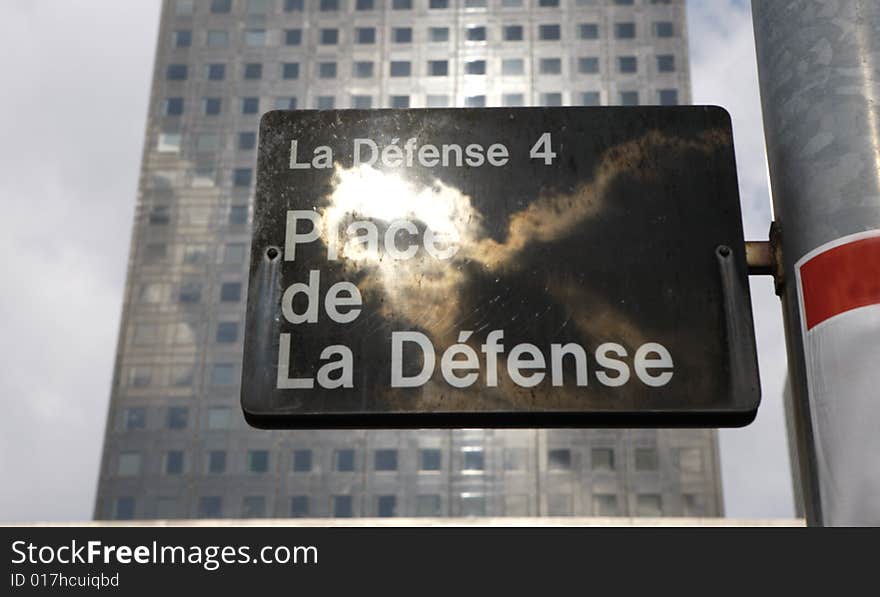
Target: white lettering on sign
point(414, 358)
point(409, 153)
point(526, 364)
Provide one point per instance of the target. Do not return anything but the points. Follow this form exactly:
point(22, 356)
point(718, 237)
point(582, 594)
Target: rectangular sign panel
point(498, 267)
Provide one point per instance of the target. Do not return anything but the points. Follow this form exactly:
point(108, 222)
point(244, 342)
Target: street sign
point(498, 267)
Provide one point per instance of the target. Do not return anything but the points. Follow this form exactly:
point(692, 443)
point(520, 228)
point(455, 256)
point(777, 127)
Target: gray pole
point(818, 64)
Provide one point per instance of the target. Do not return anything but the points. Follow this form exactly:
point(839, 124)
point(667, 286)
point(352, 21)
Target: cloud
point(72, 113)
point(754, 460)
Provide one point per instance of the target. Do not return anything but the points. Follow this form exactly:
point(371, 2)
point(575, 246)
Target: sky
point(73, 111)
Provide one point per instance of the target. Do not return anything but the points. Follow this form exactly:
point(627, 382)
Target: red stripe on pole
point(841, 279)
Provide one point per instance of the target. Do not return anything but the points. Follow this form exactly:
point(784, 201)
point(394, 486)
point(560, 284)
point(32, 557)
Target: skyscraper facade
point(176, 444)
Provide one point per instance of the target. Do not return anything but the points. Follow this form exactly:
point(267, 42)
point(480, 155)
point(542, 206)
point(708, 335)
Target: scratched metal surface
point(614, 242)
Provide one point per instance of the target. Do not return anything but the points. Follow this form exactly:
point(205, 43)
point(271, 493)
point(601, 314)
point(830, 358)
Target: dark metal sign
point(498, 267)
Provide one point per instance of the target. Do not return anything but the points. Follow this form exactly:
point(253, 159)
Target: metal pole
point(817, 65)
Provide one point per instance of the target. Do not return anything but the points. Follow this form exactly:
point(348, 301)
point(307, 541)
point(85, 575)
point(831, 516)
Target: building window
point(246, 142)
point(217, 462)
point(253, 71)
point(428, 505)
point(123, 508)
point(668, 97)
point(475, 67)
point(629, 98)
point(285, 103)
point(327, 70)
point(646, 459)
point(166, 508)
point(473, 460)
point(221, 6)
point(692, 505)
point(255, 38)
point(401, 5)
point(292, 37)
point(258, 7)
point(588, 31)
point(135, 418)
point(400, 68)
point(365, 35)
point(238, 215)
point(430, 459)
point(514, 459)
point(250, 105)
point(477, 33)
point(290, 70)
point(386, 506)
point(475, 3)
point(438, 4)
point(190, 292)
point(343, 460)
point(178, 417)
point(174, 462)
point(241, 177)
point(438, 68)
point(475, 101)
point(293, 5)
point(329, 37)
point(212, 106)
point(549, 32)
point(253, 506)
point(512, 66)
point(664, 29)
point(218, 39)
point(210, 506)
point(230, 292)
point(362, 70)
point(627, 64)
point(258, 461)
point(364, 5)
point(666, 63)
point(207, 142)
point(604, 504)
point(176, 72)
point(227, 332)
point(548, 3)
point(559, 459)
point(437, 101)
point(401, 35)
point(183, 7)
point(512, 33)
point(689, 460)
point(550, 66)
point(325, 102)
point(222, 374)
point(649, 504)
point(472, 504)
point(590, 98)
point(625, 30)
point(342, 506)
point(219, 417)
point(215, 72)
point(129, 464)
point(588, 65)
point(513, 100)
point(361, 102)
point(602, 458)
point(182, 39)
point(438, 34)
point(400, 101)
point(168, 143)
point(299, 506)
point(302, 461)
point(385, 460)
